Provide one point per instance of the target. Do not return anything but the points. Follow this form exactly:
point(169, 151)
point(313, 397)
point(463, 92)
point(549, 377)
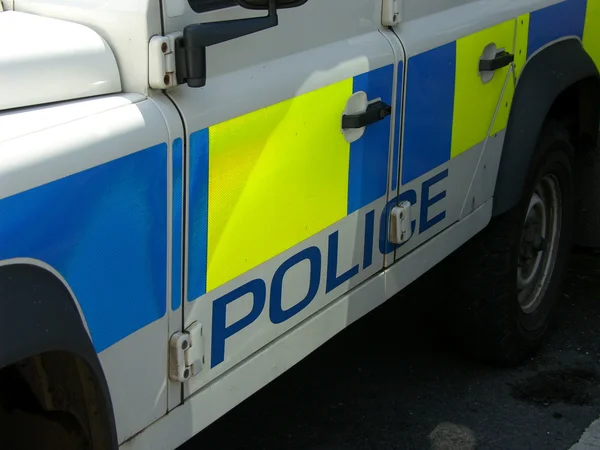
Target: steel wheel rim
point(539, 243)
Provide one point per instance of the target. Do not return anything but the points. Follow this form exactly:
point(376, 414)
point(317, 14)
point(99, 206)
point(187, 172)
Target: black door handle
point(375, 112)
point(502, 59)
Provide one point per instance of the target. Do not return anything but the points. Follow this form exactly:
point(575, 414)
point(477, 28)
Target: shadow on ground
point(391, 382)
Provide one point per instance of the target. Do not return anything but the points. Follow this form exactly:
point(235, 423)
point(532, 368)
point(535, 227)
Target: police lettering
point(334, 277)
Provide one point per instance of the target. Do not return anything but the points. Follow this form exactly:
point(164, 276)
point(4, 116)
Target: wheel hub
point(539, 243)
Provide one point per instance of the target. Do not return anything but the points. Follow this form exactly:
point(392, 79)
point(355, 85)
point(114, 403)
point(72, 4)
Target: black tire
point(491, 324)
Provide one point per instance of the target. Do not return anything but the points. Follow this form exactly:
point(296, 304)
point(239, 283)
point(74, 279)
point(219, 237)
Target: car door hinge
point(161, 60)
point(400, 223)
point(186, 353)
point(391, 12)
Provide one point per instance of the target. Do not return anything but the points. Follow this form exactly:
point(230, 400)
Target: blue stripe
point(105, 231)
point(368, 175)
point(398, 128)
point(429, 110)
point(198, 222)
point(556, 21)
point(177, 224)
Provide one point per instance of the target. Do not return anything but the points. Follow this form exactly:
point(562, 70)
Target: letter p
point(220, 330)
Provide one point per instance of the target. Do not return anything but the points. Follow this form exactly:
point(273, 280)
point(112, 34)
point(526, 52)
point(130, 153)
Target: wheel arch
point(39, 315)
point(559, 80)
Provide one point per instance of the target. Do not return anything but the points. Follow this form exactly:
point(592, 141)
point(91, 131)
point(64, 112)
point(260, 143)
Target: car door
point(459, 82)
point(283, 205)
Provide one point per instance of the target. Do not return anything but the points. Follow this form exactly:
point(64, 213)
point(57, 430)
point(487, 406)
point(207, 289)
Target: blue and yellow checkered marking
point(105, 231)
point(579, 18)
point(448, 108)
point(368, 171)
point(198, 214)
point(557, 21)
point(398, 125)
point(591, 31)
point(177, 223)
point(266, 181)
point(428, 111)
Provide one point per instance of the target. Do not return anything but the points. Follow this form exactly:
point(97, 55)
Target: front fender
point(546, 76)
point(38, 315)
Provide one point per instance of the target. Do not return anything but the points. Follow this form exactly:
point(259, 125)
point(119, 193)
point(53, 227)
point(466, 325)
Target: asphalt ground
point(390, 381)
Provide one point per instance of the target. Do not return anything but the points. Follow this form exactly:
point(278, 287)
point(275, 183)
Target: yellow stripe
point(591, 33)
point(521, 40)
point(276, 177)
point(474, 101)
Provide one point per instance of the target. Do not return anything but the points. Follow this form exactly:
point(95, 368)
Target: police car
point(196, 194)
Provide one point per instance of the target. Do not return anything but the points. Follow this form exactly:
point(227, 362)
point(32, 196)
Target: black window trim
point(202, 6)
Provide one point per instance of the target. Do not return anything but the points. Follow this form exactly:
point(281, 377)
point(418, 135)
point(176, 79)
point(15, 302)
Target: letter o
point(276, 312)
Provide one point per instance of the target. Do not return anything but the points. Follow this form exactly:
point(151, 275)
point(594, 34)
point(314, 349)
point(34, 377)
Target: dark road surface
point(389, 382)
